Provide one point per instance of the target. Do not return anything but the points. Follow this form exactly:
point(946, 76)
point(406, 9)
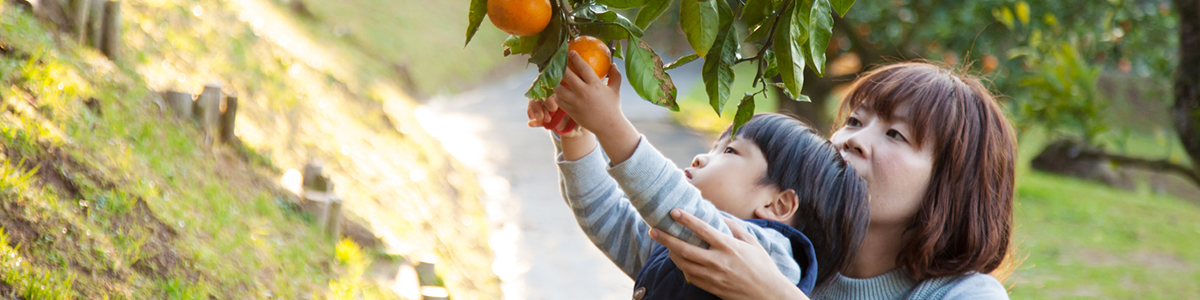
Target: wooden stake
point(95, 28)
point(180, 103)
point(82, 8)
point(206, 110)
point(312, 175)
point(228, 116)
point(112, 30)
point(317, 204)
point(333, 224)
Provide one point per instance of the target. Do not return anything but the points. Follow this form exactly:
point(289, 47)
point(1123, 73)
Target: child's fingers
point(551, 104)
point(614, 77)
point(580, 64)
point(571, 78)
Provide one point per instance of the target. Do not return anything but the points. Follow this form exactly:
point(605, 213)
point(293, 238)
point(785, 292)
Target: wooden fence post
point(318, 203)
point(180, 103)
point(81, 9)
point(427, 276)
point(228, 116)
point(112, 29)
point(95, 25)
point(206, 111)
point(333, 223)
point(312, 174)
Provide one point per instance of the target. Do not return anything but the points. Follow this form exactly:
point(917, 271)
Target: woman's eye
point(896, 135)
point(851, 121)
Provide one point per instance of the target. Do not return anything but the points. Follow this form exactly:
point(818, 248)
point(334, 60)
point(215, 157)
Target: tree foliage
point(791, 35)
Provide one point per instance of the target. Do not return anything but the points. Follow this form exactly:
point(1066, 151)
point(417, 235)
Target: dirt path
point(540, 251)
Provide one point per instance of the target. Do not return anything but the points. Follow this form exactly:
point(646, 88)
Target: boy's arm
point(655, 186)
point(599, 205)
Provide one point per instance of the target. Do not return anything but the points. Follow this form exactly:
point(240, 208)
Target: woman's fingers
point(579, 64)
point(677, 246)
point(741, 233)
point(699, 227)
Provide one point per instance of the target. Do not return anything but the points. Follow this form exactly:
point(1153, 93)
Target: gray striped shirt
point(616, 206)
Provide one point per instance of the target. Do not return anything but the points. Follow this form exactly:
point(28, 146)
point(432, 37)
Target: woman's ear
point(781, 209)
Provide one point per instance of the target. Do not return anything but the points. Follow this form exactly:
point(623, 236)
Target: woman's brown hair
point(965, 221)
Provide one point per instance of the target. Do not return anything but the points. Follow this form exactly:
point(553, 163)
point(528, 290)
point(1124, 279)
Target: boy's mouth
point(688, 174)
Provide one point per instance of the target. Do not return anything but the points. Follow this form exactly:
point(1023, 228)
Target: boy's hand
point(596, 105)
point(540, 113)
point(593, 103)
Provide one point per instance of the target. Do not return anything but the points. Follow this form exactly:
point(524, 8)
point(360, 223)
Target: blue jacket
point(659, 278)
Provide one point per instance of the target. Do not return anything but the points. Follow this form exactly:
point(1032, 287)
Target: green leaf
point(474, 18)
point(519, 45)
point(772, 67)
point(647, 76)
point(551, 75)
point(604, 32)
point(757, 11)
point(1022, 10)
point(616, 51)
point(622, 4)
point(650, 12)
point(789, 48)
point(745, 111)
point(761, 32)
point(699, 21)
point(842, 6)
point(718, 64)
point(547, 43)
point(681, 61)
point(600, 13)
point(820, 30)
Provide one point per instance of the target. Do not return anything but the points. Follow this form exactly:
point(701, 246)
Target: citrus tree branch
point(1149, 164)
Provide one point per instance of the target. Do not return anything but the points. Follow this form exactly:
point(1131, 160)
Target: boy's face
point(729, 176)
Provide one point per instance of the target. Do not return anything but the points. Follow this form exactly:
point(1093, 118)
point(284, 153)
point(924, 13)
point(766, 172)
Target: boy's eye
point(896, 135)
point(730, 150)
point(852, 121)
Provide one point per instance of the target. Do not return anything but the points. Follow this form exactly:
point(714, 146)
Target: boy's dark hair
point(832, 210)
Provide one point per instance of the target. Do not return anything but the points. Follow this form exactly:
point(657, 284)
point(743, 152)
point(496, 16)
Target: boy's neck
point(878, 252)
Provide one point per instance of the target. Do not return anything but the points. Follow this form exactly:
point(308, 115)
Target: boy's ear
point(781, 209)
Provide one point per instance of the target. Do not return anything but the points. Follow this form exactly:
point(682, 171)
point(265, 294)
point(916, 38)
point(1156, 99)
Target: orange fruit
point(519, 17)
point(594, 51)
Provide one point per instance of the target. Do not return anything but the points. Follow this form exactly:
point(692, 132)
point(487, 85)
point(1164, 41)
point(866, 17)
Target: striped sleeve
point(655, 186)
point(602, 211)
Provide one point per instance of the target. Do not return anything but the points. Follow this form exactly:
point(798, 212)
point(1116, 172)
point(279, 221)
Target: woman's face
point(885, 155)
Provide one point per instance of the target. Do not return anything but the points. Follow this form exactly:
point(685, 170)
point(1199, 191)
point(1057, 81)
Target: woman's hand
point(733, 267)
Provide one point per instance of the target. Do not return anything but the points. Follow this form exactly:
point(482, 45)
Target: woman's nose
point(856, 145)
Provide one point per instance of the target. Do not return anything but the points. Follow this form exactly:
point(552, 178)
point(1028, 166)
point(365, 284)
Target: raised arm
point(600, 207)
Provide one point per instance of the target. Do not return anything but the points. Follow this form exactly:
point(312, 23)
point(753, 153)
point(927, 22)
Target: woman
point(938, 157)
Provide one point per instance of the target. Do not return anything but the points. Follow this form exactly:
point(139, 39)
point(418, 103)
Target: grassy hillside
point(117, 199)
point(106, 194)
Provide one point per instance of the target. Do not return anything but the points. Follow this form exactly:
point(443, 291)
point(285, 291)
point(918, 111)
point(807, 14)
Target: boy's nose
point(699, 161)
